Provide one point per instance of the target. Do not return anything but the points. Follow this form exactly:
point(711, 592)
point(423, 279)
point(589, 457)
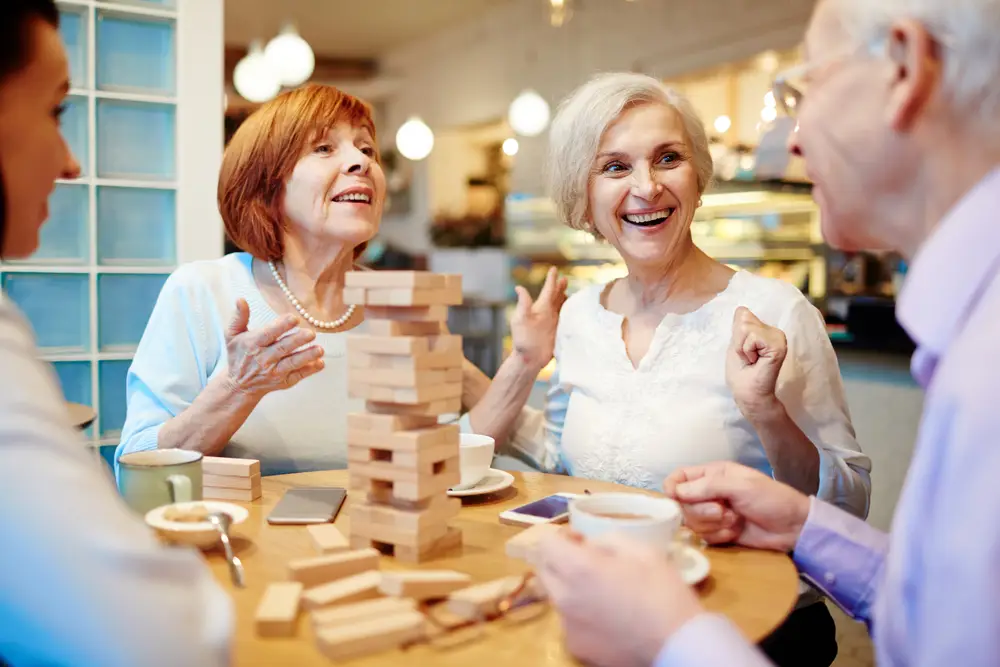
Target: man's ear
point(916, 76)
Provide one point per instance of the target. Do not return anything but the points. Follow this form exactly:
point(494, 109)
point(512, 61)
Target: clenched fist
point(753, 361)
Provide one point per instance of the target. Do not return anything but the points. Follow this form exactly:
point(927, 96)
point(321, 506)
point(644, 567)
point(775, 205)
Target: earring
point(699, 202)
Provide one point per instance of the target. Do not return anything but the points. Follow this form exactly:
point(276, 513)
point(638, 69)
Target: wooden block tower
point(409, 371)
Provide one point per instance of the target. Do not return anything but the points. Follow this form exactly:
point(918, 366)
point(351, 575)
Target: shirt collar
point(946, 277)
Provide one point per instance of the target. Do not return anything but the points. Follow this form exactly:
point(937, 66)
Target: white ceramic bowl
point(658, 527)
point(201, 534)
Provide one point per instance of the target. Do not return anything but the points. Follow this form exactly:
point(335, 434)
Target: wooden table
point(756, 589)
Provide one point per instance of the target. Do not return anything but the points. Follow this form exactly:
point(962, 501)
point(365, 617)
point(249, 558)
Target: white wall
point(470, 72)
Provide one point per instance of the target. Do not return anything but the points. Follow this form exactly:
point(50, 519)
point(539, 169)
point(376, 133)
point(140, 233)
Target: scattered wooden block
point(327, 538)
point(397, 328)
point(382, 279)
point(444, 407)
point(403, 345)
point(355, 588)
point(421, 459)
point(363, 421)
point(404, 378)
point(322, 569)
point(230, 482)
point(341, 642)
point(446, 360)
point(361, 611)
point(404, 441)
point(481, 600)
point(243, 495)
point(277, 610)
point(221, 465)
point(523, 544)
point(408, 313)
point(423, 584)
point(439, 509)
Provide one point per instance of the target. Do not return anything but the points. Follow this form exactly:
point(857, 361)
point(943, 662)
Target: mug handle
point(180, 488)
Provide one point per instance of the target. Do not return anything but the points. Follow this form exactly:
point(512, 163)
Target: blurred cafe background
point(463, 92)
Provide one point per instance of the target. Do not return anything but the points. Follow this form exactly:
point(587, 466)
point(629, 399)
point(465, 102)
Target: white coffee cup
point(475, 454)
point(648, 519)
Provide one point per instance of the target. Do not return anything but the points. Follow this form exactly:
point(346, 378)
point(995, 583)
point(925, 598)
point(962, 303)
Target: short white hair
point(582, 119)
point(969, 31)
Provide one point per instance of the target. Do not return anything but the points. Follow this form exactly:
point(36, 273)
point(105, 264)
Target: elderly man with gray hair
point(898, 128)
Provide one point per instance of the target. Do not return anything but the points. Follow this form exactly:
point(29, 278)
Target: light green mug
point(159, 477)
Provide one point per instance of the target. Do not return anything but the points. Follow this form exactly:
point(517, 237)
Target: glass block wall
point(113, 235)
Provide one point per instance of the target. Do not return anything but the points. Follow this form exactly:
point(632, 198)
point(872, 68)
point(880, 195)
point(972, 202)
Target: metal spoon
point(222, 521)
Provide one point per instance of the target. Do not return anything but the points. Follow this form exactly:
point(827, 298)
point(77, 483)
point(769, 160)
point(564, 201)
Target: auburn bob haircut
point(262, 154)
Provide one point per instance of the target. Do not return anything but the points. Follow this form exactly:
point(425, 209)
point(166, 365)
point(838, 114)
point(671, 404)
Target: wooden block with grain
point(402, 345)
point(446, 360)
point(404, 378)
point(523, 544)
point(416, 396)
point(481, 600)
point(231, 482)
point(342, 642)
point(327, 538)
point(398, 328)
point(446, 545)
point(221, 465)
point(387, 534)
point(408, 313)
point(405, 296)
point(404, 441)
point(322, 569)
point(383, 481)
point(421, 460)
point(278, 609)
point(363, 421)
point(438, 509)
point(359, 611)
point(436, 408)
point(384, 279)
point(423, 584)
point(355, 588)
point(243, 495)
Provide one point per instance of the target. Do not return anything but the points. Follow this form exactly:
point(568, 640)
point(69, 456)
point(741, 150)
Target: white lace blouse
point(606, 420)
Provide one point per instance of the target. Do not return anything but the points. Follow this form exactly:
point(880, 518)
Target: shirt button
point(830, 578)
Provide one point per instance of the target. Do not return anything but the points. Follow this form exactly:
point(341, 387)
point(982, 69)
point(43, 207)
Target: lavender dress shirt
point(930, 591)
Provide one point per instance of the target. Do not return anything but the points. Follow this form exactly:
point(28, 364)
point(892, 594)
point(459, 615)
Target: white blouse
point(607, 420)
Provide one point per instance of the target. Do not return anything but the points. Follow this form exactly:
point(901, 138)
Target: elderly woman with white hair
point(678, 362)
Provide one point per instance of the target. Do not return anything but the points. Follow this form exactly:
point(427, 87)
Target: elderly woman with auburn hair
point(678, 363)
point(245, 356)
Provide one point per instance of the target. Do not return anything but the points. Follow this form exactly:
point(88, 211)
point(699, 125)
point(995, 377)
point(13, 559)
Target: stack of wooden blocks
point(230, 479)
point(409, 371)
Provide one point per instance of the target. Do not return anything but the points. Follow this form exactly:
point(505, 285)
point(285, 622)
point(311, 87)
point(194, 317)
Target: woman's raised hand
point(269, 358)
point(533, 326)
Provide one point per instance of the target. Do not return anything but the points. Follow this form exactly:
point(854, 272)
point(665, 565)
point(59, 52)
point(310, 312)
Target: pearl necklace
point(319, 324)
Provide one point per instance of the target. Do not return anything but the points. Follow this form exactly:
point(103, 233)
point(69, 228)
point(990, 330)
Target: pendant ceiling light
point(414, 140)
point(291, 57)
point(253, 76)
point(529, 114)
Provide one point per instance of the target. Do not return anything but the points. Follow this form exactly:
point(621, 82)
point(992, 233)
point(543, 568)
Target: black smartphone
point(308, 505)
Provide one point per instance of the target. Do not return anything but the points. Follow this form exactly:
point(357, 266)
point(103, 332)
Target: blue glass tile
point(111, 381)
point(73, 30)
point(135, 140)
point(57, 305)
point(63, 238)
point(74, 127)
point(124, 304)
point(74, 379)
point(136, 54)
point(136, 226)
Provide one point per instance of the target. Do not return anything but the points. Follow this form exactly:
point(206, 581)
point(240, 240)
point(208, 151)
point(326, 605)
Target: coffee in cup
point(475, 454)
point(158, 477)
point(649, 519)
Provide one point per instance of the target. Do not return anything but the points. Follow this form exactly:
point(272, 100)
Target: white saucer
point(693, 564)
point(495, 480)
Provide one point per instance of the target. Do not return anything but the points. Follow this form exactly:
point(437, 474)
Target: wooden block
point(342, 642)
point(411, 296)
point(404, 378)
point(386, 534)
point(327, 538)
point(444, 407)
point(354, 296)
point(446, 360)
point(523, 544)
point(423, 584)
point(408, 313)
point(358, 389)
point(407, 441)
point(420, 460)
point(402, 345)
point(416, 396)
point(436, 510)
point(481, 600)
point(450, 541)
point(322, 569)
point(278, 609)
point(355, 588)
point(407, 484)
point(360, 611)
point(220, 465)
point(383, 279)
point(391, 328)
point(243, 495)
point(227, 482)
point(363, 421)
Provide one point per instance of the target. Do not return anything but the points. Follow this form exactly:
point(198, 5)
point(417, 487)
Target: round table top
point(756, 589)
point(81, 416)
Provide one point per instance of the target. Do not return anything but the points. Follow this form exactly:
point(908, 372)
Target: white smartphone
point(308, 505)
point(550, 509)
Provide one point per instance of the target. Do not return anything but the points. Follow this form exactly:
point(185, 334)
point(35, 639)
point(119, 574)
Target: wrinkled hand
point(619, 600)
point(727, 502)
point(533, 325)
point(266, 359)
point(753, 361)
